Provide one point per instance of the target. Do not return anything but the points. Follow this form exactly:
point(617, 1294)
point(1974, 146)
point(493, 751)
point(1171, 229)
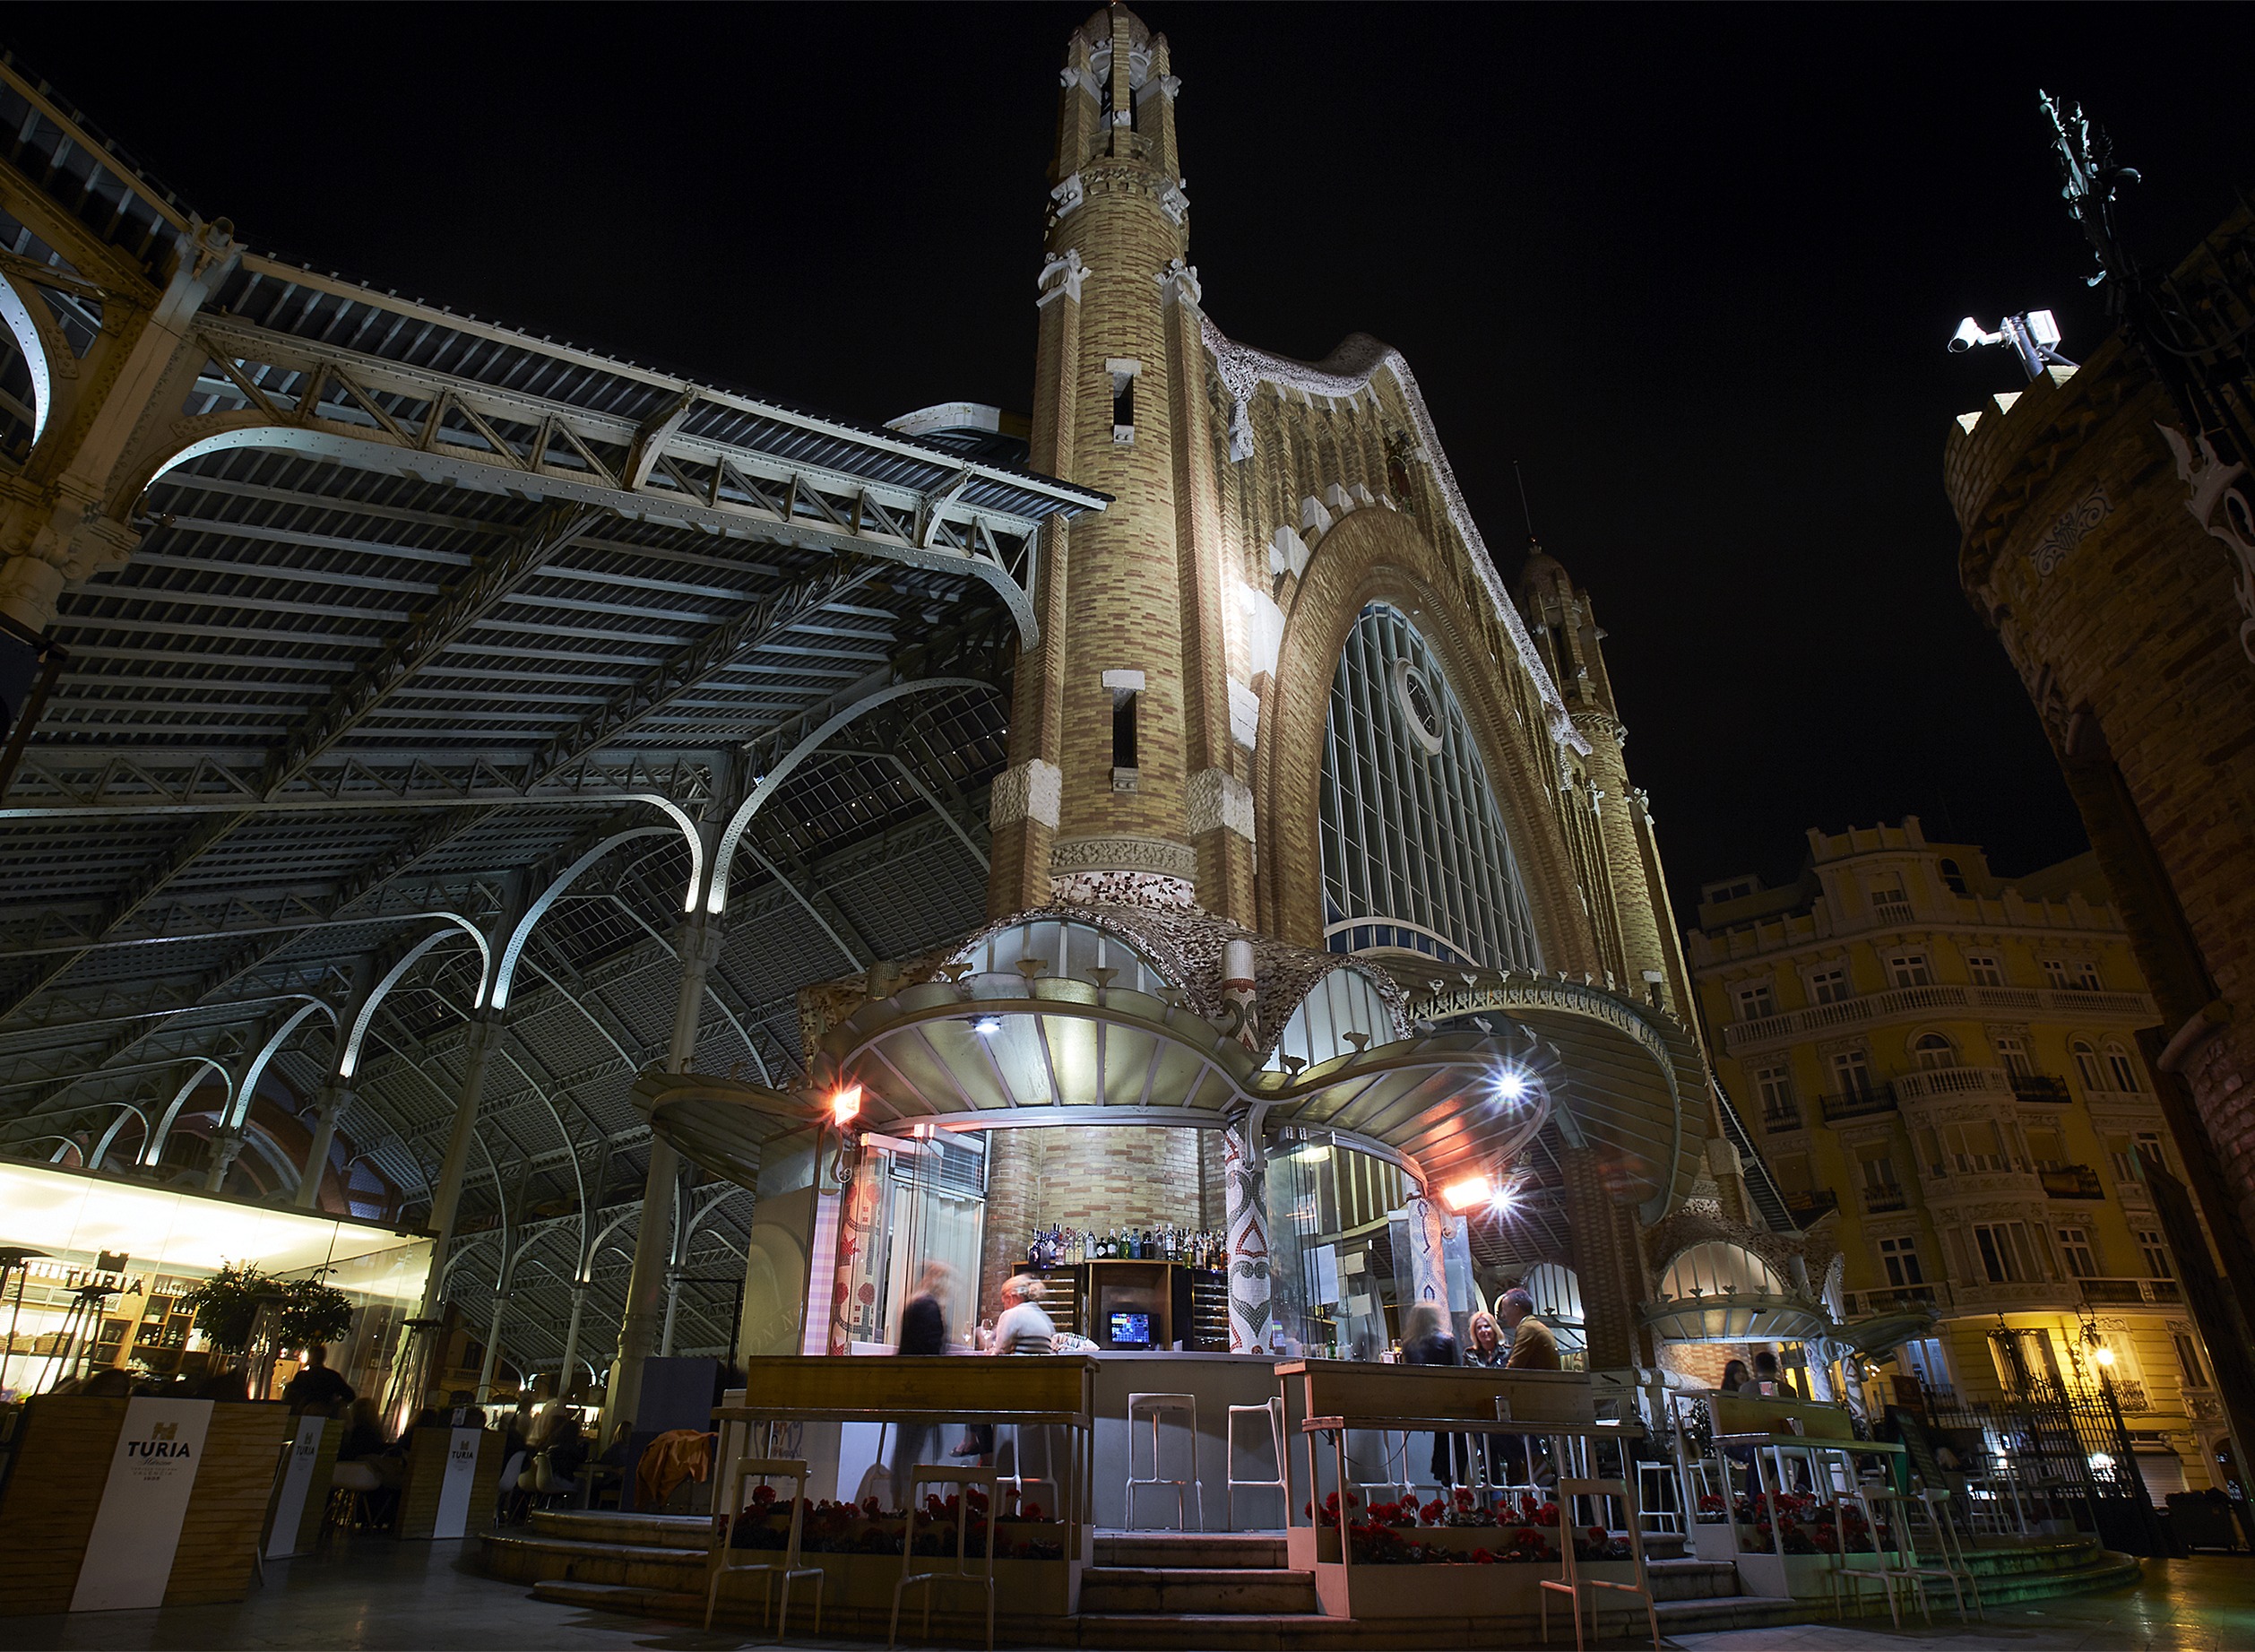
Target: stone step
point(1215, 1631)
point(623, 1599)
point(1691, 1580)
point(1258, 1550)
point(1198, 1590)
point(527, 1558)
point(662, 1531)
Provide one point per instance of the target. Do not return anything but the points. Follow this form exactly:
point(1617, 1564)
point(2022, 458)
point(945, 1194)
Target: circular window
point(1421, 706)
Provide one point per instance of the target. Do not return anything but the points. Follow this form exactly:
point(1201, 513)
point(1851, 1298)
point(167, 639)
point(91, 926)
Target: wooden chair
point(963, 1479)
point(724, 1517)
point(1571, 1583)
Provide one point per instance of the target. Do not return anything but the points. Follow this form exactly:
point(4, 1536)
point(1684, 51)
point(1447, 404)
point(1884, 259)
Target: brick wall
point(1100, 1179)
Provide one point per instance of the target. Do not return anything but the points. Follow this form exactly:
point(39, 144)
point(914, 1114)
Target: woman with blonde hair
point(1023, 1328)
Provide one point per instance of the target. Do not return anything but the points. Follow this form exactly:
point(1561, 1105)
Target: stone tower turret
point(1625, 859)
point(1124, 783)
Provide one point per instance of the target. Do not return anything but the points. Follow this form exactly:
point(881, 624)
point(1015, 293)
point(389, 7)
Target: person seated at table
point(317, 1387)
point(1023, 1328)
point(226, 1385)
point(1427, 1340)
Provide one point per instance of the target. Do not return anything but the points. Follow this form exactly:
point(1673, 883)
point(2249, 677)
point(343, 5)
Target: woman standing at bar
point(923, 1330)
point(1426, 1341)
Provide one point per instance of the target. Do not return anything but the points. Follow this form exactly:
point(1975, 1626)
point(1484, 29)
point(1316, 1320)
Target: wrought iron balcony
point(1775, 1119)
point(2071, 1181)
point(1858, 1103)
point(2039, 1087)
point(1808, 1206)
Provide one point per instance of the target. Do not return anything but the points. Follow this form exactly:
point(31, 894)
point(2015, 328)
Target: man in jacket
point(1532, 1347)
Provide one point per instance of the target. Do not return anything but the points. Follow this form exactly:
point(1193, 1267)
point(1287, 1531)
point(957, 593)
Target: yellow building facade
point(1941, 1066)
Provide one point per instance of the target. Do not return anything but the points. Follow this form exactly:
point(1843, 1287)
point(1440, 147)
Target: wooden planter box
point(425, 1511)
point(74, 1455)
point(857, 1588)
point(1438, 1589)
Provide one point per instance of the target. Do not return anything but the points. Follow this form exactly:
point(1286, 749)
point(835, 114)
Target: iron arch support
point(153, 1150)
point(503, 974)
point(239, 1105)
point(732, 836)
point(349, 1061)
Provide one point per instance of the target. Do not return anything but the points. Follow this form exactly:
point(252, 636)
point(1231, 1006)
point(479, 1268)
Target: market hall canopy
point(1114, 1016)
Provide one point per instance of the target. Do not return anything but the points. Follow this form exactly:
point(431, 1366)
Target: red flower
point(763, 1495)
point(1480, 1557)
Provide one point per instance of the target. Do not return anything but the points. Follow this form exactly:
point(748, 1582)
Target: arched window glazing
point(1415, 851)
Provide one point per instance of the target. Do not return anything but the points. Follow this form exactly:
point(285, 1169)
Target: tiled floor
point(382, 1595)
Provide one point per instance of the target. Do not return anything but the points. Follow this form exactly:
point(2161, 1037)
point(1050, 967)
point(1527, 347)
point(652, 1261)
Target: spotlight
point(1500, 1201)
point(845, 1105)
point(1468, 1194)
point(2033, 335)
point(2103, 1354)
point(987, 1026)
point(1511, 1087)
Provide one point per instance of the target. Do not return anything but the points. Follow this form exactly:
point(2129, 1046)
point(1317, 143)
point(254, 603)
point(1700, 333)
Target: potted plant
point(246, 1312)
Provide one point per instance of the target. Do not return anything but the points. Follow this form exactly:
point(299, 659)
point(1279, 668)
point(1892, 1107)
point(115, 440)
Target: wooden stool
point(1571, 1583)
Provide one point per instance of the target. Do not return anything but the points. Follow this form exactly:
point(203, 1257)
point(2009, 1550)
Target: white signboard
point(454, 1491)
point(289, 1508)
point(151, 1471)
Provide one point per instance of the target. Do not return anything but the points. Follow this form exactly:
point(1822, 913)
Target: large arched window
point(1415, 853)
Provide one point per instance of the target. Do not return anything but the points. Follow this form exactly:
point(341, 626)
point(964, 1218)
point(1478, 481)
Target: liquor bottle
point(1143, 1248)
point(1110, 1246)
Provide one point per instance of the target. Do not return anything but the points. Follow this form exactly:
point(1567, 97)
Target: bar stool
point(1273, 1413)
point(1018, 1480)
point(725, 1514)
point(1155, 1406)
point(965, 1479)
point(1571, 1583)
point(1908, 1567)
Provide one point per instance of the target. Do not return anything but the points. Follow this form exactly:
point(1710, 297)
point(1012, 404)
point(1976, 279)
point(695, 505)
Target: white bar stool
point(1274, 1413)
point(731, 1508)
point(1155, 1406)
point(1571, 1583)
point(966, 1479)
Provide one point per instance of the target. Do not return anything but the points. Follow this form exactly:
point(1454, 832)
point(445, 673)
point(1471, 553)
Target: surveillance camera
point(2043, 327)
point(1969, 333)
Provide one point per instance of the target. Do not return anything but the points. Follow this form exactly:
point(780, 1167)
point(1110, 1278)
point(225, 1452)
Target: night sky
point(1693, 267)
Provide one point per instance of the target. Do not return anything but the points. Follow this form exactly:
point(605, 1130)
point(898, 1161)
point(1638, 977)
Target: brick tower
point(1123, 780)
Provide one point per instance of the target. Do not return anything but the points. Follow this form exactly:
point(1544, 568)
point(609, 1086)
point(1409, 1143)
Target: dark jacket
point(1438, 1349)
point(923, 1326)
point(317, 1385)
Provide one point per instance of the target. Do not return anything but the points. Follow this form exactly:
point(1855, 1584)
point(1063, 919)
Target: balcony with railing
point(1810, 1204)
point(2040, 1087)
point(2156, 1290)
point(1930, 1083)
point(1899, 1298)
point(2070, 1181)
point(1777, 1119)
point(1864, 1008)
point(1857, 1103)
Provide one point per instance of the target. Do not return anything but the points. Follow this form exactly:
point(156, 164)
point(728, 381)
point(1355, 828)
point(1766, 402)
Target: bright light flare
point(2103, 1354)
point(845, 1105)
point(987, 1026)
point(1511, 1087)
point(1469, 1194)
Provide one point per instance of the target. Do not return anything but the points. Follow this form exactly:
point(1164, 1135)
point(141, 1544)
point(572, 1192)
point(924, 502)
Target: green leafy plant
point(312, 1313)
point(226, 1305)
point(305, 1311)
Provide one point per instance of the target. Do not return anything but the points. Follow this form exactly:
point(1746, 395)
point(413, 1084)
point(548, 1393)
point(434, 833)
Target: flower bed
point(1465, 1530)
point(869, 1529)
